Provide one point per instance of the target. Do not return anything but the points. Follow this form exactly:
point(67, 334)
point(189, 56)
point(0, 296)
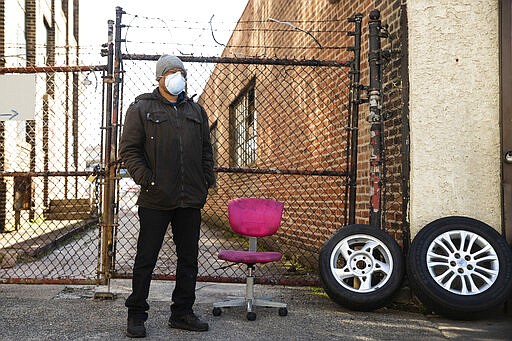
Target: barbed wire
point(240, 46)
point(88, 50)
point(235, 30)
point(138, 26)
point(236, 22)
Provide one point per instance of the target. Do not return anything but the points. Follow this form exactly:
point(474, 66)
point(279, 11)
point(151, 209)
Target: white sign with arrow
point(17, 97)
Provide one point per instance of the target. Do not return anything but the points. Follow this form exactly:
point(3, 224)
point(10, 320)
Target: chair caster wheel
point(216, 311)
point(283, 311)
point(251, 316)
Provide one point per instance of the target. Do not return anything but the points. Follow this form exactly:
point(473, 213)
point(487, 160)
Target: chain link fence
point(46, 200)
point(284, 129)
point(279, 130)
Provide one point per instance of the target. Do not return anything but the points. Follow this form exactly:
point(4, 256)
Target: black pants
point(185, 223)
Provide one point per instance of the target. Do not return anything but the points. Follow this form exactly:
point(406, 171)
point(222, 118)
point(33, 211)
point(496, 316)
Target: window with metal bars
point(244, 133)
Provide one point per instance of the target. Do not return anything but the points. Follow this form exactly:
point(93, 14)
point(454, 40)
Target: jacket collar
point(181, 97)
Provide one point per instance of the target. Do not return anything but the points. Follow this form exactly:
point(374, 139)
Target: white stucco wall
point(454, 110)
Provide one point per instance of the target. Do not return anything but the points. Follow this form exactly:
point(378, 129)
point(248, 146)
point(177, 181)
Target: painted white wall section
point(454, 111)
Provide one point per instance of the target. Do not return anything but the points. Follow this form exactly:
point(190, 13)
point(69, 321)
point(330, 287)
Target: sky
point(157, 26)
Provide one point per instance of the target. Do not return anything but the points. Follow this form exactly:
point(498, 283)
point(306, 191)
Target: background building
point(37, 34)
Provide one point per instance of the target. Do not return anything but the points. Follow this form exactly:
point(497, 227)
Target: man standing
point(166, 148)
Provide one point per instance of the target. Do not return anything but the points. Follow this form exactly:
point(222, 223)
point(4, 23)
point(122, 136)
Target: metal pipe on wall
point(355, 100)
point(375, 118)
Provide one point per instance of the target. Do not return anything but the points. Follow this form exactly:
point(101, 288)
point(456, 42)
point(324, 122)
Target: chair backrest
point(255, 217)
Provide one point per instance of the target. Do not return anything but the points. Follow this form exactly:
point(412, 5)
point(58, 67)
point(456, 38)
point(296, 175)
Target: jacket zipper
point(182, 170)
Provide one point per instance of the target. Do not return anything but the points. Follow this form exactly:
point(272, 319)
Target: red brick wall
point(30, 31)
point(314, 206)
point(395, 91)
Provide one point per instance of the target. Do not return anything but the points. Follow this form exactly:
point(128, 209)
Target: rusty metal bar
point(259, 61)
point(268, 171)
point(108, 193)
point(36, 174)
point(46, 69)
point(116, 124)
point(279, 171)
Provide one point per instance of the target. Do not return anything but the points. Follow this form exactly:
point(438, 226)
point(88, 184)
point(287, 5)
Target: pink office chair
point(252, 217)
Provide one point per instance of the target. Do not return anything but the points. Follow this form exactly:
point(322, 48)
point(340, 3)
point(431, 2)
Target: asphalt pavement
point(70, 312)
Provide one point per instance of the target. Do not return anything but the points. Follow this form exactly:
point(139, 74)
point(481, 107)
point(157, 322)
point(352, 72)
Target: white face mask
point(175, 83)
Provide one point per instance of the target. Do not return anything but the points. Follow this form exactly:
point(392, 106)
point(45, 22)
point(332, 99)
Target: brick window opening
point(244, 134)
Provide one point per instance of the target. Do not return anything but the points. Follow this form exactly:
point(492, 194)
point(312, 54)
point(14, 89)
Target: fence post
point(355, 100)
point(108, 192)
point(116, 124)
point(375, 118)
point(109, 219)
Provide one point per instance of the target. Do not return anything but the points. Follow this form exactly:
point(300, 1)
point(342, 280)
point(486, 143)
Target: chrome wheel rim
point(462, 262)
point(361, 263)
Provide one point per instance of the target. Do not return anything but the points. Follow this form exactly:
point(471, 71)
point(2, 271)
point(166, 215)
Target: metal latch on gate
point(95, 173)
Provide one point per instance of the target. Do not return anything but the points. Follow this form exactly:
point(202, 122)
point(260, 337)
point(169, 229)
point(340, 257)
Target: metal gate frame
point(114, 86)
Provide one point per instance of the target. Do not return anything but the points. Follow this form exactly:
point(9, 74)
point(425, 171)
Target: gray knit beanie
point(167, 62)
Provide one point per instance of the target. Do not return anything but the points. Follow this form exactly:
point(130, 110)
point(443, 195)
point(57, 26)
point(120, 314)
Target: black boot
point(135, 328)
point(188, 322)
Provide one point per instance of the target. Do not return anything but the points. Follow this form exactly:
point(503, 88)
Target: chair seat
point(249, 257)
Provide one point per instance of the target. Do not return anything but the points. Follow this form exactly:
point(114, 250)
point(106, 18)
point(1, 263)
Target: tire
point(460, 267)
point(361, 267)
